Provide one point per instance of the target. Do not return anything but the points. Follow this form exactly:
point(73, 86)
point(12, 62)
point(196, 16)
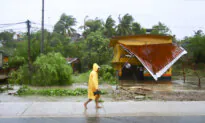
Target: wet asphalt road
point(138, 119)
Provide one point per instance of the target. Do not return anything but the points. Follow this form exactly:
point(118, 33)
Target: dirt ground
point(176, 90)
point(179, 96)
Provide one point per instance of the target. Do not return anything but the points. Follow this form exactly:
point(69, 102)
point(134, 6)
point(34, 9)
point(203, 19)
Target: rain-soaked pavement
point(141, 119)
point(76, 109)
point(112, 112)
point(44, 109)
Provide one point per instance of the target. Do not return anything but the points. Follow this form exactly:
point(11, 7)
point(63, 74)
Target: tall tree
point(161, 29)
point(6, 38)
point(96, 49)
point(137, 29)
point(92, 26)
point(109, 27)
point(65, 25)
point(196, 46)
point(125, 25)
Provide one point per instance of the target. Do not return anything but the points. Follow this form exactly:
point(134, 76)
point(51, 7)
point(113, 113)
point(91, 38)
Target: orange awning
point(156, 58)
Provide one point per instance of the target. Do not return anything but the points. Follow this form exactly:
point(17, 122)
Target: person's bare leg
point(96, 102)
point(85, 104)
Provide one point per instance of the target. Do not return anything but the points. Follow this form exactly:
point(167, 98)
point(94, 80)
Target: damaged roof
point(156, 53)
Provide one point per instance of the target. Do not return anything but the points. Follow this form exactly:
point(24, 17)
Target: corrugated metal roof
point(158, 58)
point(71, 60)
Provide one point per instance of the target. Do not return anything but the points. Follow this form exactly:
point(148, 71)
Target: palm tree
point(65, 25)
point(124, 26)
point(109, 27)
point(161, 29)
point(137, 29)
point(92, 26)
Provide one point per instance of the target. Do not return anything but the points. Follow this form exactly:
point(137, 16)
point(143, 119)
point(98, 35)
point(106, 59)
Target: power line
point(6, 26)
point(12, 29)
point(13, 23)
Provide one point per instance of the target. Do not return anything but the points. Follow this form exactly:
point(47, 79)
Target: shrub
point(107, 73)
point(25, 90)
point(20, 76)
point(83, 77)
point(16, 61)
point(106, 69)
point(50, 69)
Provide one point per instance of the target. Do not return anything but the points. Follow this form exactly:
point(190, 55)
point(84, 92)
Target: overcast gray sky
point(183, 17)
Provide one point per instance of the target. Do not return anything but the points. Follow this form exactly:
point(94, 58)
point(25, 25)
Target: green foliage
point(96, 50)
point(92, 48)
point(109, 27)
point(177, 69)
point(7, 37)
point(65, 25)
point(137, 29)
point(81, 78)
point(2, 89)
point(74, 49)
point(25, 90)
point(22, 50)
point(16, 61)
point(195, 46)
point(124, 26)
point(50, 69)
point(106, 69)
point(92, 26)
point(161, 29)
point(107, 73)
point(20, 76)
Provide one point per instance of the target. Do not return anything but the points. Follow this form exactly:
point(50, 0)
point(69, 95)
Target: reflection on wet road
point(139, 119)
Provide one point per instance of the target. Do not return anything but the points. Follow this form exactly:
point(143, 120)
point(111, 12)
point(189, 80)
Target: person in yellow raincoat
point(93, 86)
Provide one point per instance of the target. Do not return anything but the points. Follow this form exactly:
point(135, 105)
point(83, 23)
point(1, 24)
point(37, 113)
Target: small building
point(75, 63)
point(3, 59)
point(144, 57)
point(4, 70)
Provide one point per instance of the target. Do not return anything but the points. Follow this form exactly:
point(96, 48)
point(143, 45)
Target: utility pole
point(29, 44)
point(42, 27)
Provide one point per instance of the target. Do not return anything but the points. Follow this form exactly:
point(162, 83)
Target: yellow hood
point(95, 67)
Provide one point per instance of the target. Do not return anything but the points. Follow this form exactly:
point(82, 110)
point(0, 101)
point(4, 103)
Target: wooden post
point(29, 49)
point(29, 45)
point(199, 79)
point(184, 75)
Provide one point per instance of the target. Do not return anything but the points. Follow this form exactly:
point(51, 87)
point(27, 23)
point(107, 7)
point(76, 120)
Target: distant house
point(148, 31)
point(75, 37)
point(75, 63)
point(3, 59)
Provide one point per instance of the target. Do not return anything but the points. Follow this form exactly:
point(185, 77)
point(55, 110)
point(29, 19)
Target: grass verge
point(25, 90)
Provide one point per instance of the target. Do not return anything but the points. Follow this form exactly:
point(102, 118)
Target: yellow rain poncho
point(93, 82)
